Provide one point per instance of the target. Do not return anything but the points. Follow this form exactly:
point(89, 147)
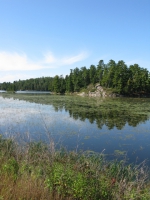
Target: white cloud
point(15, 66)
point(49, 58)
point(14, 77)
point(14, 61)
point(74, 59)
point(20, 62)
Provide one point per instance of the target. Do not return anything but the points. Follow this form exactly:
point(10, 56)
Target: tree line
point(117, 76)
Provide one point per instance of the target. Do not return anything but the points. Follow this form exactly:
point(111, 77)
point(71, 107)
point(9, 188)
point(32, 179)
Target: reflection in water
point(111, 119)
point(112, 113)
point(32, 92)
point(103, 116)
point(120, 126)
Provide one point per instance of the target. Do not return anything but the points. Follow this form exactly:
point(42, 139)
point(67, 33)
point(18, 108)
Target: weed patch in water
point(111, 112)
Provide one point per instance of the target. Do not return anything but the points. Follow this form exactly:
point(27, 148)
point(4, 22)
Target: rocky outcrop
point(100, 92)
point(97, 91)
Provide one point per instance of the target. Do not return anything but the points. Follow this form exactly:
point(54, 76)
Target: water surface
point(117, 127)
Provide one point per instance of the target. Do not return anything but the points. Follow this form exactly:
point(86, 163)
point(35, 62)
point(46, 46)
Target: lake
point(117, 127)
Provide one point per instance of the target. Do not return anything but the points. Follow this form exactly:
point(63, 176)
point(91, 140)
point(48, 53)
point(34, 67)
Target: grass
point(35, 172)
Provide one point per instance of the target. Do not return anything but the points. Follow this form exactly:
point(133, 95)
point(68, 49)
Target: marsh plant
point(34, 172)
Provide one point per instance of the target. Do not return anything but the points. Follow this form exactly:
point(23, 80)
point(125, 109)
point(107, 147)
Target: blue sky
point(50, 37)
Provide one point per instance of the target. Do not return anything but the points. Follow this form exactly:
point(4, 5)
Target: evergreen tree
point(56, 84)
point(92, 73)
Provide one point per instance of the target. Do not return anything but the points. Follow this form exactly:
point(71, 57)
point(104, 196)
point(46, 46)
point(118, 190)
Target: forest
point(122, 79)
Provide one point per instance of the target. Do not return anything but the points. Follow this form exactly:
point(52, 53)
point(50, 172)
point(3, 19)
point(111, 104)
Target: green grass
point(34, 172)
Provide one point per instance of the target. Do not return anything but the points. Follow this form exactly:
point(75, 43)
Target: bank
point(38, 171)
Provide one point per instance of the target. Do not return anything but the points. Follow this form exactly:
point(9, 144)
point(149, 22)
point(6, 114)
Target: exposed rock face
point(100, 92)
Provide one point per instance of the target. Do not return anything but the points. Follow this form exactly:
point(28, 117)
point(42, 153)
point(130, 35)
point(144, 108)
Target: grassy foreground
point(36, 171)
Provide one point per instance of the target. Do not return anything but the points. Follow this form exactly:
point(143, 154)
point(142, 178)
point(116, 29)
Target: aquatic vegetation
point(121, 153)
point(79, 122)
point(113, 112)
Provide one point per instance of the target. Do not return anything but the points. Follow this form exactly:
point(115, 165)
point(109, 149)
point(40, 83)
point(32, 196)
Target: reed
point(35, 171)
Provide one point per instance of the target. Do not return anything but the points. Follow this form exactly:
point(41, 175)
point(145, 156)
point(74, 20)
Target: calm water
point(27, 92)
point(32, 92)
point(80, 124)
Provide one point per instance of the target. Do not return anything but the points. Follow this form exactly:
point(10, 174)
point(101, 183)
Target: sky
point(49, 37)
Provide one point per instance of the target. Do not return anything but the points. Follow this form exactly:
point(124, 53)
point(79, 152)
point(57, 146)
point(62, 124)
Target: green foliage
point(132, 80)
point(56, 84)
point(7, 147)
point(70, 176)
point(69, 83)
point(11, 167)
point(92, 74)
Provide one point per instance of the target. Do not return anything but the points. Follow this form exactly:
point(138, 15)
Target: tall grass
point(37, 172)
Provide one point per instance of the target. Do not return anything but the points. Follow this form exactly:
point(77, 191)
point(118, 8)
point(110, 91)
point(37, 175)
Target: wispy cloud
point(15, 66)
point(20, 62)
point(15, 61)
point(8, 77)
point(49, 58)
point(74, 59)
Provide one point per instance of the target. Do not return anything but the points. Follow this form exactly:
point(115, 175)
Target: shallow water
point(118, 128)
